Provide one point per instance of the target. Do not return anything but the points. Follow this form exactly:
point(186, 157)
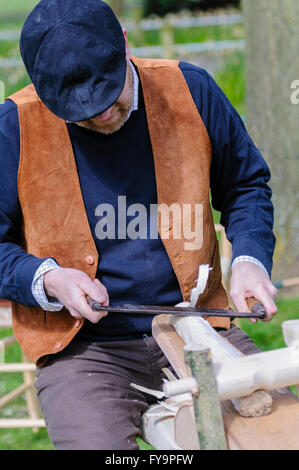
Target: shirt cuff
point(249, 259)
point(247, 246)
point(49, 304)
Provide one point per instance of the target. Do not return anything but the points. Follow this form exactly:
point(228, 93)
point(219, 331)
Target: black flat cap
point(74, 52)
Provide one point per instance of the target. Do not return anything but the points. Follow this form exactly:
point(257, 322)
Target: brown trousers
point(85, 392)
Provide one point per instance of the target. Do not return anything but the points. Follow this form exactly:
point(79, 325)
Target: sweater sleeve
point(17, 268)
point(239, 173)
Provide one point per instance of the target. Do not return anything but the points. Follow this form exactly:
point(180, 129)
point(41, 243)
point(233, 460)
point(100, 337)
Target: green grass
point(24, 439)
point(269, 335)
point(231, 78)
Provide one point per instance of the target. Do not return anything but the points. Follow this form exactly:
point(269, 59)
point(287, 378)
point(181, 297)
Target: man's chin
point(105, 129)
point(109, 129)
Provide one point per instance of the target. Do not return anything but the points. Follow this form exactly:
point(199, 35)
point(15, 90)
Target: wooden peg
point(255, 306)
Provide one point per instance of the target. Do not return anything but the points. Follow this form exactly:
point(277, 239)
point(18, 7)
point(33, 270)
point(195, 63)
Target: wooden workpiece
point(276, 431)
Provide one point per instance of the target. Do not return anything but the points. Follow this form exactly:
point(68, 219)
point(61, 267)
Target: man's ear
point(126, 43)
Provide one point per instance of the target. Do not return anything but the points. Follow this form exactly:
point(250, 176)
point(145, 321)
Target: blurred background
point(207, 32)
point(250, 49)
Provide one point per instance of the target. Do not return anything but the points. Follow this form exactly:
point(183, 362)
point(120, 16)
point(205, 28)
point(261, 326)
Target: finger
point(80, 307)
point(76, 309)
point(98, 283)
point(241, 304)
point(96, 291)
point(84, 309)
point(106, 302)
point(75, 313)
point(266, 299)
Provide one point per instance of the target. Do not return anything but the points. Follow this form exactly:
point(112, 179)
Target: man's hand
point(249, 280)
point(71, 287)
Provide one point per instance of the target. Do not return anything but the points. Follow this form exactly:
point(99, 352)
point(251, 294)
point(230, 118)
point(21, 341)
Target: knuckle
point(74, 313)
point(72, 306)
point(95, 318)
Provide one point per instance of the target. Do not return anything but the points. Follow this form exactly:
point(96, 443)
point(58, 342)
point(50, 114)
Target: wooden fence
point(166, 26)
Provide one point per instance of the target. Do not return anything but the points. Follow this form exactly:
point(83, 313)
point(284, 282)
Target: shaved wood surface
point(171, 344)
point(185, 416)
point(277, 431)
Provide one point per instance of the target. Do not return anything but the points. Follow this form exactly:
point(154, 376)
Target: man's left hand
point(249, 280)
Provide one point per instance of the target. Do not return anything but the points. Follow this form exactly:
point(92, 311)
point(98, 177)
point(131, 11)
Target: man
point(98, 138)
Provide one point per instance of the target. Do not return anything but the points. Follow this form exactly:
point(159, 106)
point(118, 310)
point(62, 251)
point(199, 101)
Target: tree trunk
point(272, 29)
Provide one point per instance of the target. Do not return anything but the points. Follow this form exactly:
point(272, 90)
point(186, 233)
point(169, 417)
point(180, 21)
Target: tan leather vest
point(55, 220)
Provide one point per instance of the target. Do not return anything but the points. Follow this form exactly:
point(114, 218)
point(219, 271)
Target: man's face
point(113, 118)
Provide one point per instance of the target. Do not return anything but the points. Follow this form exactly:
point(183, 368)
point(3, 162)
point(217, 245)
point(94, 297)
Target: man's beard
point(121, 112)
point(114, 125)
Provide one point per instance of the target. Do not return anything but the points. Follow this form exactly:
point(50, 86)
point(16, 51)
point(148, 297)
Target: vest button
point(90, 260)
point(58, 345)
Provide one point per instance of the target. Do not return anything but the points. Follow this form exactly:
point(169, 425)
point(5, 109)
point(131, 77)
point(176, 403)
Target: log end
point(258, 403)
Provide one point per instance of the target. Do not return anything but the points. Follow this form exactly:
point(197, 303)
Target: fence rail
point(190, 48)
point(169, 23)
point(186, 22)
point(10, 62)
point(157, 24)
point(159, 51)
point(10, 35)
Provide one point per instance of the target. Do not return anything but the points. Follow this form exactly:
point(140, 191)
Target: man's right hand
point(70, 287)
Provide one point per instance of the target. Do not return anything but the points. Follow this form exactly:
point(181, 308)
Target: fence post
point(137, 32)
point(167, 36)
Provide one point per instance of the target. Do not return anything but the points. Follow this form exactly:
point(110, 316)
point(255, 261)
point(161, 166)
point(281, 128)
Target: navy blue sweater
point(139, 271)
